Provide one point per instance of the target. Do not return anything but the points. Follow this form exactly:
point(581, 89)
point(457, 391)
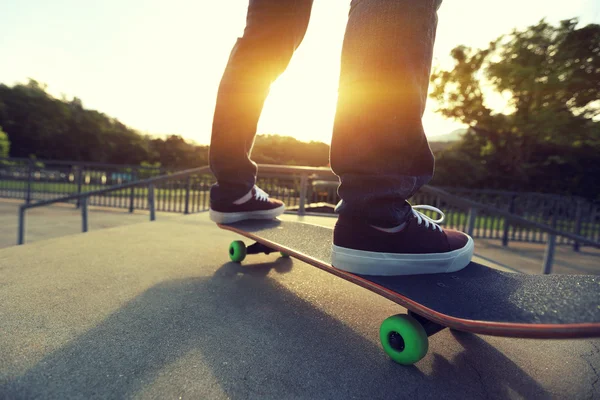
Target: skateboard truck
point(258, 248)
point(431, 328)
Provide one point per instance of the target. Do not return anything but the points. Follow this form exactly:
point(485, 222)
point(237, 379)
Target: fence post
point(578, 221)
point(84, 214)
point(550, 247)
point(79, 183)
point(21, 232)
point(151, 202)
point(134, 175)
point(303, 190)
point(549, 255)
point(511, 209)
point(471, 221)
point(29, 181)
point(187, 195)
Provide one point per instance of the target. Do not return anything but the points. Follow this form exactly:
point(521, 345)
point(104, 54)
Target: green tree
point(176, 152)
point(4, 144)
point(33, 120)
point(285, 150)
point(551, 76)
point(41, 125)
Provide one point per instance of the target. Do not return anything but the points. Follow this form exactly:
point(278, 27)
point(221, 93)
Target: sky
point(156, 65)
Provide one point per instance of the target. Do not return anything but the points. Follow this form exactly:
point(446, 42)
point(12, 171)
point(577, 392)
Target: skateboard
point(476, 299)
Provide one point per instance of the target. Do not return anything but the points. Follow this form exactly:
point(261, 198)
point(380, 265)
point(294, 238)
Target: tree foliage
point(4, 144)
point(42, 126)
point(548, 136)
point(285, 150)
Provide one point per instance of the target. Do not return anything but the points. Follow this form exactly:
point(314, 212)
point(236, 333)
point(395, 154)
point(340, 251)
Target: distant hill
point(442, 142)
point(453, 136)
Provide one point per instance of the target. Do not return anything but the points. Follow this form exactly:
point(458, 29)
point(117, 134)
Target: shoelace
point(260, 194)
point(424, 218)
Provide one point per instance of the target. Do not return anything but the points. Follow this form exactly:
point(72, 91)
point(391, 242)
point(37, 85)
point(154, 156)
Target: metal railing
point(294, 185)
point(476, 209)
point(34, 180)
point(567, 213)
point(192, 197)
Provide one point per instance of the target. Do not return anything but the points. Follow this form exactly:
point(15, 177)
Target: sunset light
point(156, 66)
point(209, 199)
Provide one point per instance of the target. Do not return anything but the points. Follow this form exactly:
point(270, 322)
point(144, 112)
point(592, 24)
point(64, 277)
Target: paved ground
point(157, 311)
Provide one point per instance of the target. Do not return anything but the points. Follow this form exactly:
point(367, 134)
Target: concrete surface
point(157, 311)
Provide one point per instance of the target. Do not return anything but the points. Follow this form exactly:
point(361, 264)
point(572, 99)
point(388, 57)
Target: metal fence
point(32, 179)
point(41, 180)
point(183, 198)
point(303, 189)
point(566, 213)
point(188, 191)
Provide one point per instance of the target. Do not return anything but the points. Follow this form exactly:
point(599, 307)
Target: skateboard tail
point(503, 329)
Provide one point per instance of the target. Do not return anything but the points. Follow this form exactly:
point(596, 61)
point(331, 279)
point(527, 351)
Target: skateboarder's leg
point(274, 29)
point(379, 149)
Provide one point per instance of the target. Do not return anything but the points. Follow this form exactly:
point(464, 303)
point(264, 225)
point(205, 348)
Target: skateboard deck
point(476, 299)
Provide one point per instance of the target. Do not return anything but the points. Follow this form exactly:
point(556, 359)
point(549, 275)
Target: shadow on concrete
point(481, 358)
point(282, 265)
point(258, 340)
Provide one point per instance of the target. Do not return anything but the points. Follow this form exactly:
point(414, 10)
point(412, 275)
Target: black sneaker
point(420, 247)
point(254, 205)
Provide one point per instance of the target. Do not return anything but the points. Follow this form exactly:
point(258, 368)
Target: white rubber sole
point(230, 218)
point(390, 264)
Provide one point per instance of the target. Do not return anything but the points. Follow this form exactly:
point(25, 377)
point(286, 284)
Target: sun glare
point(159, 72)
point(301, 107)
point(302, 101)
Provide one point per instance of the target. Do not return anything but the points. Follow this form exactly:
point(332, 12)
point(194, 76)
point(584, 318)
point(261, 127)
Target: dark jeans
point(379, 149)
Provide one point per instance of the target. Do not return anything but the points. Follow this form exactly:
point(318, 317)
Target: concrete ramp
point(155, 310)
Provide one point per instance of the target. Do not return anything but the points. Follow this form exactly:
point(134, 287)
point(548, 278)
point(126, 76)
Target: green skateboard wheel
point(403, 339)
point(284, 255)
point(237, 251)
